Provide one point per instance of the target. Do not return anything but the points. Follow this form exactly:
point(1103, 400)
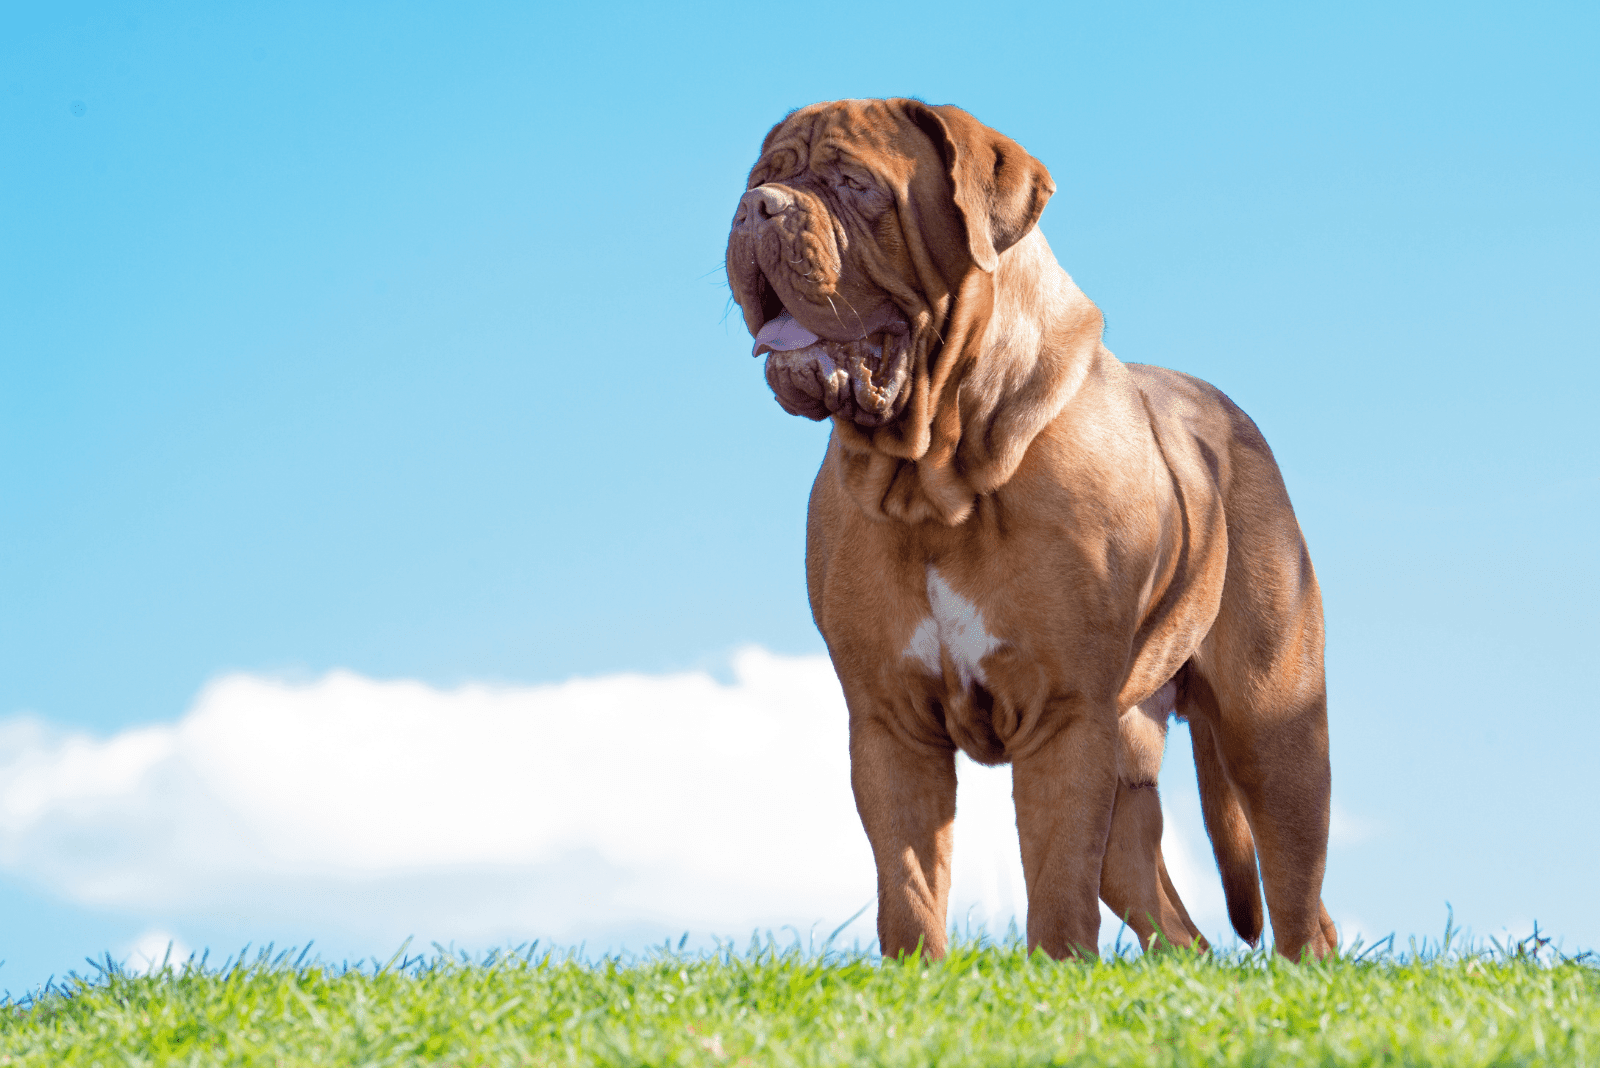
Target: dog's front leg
point(1065, 789)
point(906, 795)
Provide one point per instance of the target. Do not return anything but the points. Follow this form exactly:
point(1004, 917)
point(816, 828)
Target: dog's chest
point(951, 660)
point(954, 630)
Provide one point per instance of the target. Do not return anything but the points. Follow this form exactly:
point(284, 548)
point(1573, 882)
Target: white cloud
point(626, 808)
point(1346, 828)
point(1193, 871)
point(153, 949)
point(1354, 932)
point(987, 890)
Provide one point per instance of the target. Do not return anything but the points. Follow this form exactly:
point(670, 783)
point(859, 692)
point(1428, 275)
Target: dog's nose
point(762, 202)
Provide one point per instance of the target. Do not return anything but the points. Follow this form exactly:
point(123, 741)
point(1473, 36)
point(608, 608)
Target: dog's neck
point(1021, 367)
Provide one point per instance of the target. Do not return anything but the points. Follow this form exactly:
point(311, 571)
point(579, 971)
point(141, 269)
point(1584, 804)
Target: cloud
point(617, 810)
point(1348, 829)
point(154, 949)
point(1187, 852)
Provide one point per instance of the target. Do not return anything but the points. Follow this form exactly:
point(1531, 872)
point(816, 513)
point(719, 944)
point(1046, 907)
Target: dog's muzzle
point(862, 380)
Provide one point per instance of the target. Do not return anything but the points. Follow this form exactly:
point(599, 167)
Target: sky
point(397, 540)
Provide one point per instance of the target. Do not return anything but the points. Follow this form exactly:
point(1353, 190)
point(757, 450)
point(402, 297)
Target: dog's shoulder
point(1196, 422)
point(1181, 403)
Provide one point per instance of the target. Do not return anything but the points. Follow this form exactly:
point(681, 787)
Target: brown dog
point(1021, 547)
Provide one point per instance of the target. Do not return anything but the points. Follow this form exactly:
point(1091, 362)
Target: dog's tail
point(1229, 831)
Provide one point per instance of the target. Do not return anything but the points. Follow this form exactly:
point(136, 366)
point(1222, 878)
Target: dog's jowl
point(1023, 548)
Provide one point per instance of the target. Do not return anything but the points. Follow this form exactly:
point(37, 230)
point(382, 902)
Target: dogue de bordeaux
point(1023, 548)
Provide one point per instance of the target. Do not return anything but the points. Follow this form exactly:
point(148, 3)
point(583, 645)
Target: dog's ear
point(999, 189)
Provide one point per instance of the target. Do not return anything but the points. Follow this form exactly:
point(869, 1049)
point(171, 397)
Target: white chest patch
point(955, 629)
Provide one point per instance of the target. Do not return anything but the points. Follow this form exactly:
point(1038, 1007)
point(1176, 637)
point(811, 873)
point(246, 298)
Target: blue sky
point(393, 341)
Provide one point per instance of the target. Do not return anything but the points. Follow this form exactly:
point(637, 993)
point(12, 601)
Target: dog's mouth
point(862, 379)
point(771, 303)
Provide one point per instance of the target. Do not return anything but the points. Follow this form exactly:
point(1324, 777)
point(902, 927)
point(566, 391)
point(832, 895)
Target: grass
point(985, 1004)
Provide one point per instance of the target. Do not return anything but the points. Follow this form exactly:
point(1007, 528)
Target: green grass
point(985, 1004)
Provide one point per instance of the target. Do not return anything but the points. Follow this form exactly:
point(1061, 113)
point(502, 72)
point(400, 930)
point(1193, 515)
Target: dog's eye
point(851, 182)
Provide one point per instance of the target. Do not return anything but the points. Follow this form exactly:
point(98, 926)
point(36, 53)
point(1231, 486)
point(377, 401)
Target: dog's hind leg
point(1226, 826)
point(1281, 771)
point(1170, 893)
point(1269, 721)
point(1134, 882)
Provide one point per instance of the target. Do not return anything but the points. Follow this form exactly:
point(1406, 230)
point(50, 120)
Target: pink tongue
point(783, 334)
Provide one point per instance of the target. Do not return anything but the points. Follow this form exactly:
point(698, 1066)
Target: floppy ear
point(999, 188)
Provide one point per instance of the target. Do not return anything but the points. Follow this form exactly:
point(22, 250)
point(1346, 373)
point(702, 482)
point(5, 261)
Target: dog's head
point(863, 256)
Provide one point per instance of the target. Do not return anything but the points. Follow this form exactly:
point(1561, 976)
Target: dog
point(1020, 547)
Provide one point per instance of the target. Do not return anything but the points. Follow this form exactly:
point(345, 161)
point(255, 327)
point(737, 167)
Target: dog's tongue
point(783, 334)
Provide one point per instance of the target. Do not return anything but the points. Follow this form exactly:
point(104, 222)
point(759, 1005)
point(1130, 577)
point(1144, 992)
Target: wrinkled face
point(815, 242)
